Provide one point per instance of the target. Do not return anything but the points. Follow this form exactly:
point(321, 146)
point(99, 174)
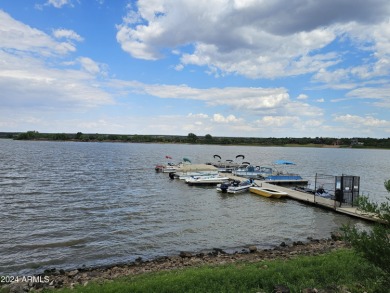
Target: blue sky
point(250, 68)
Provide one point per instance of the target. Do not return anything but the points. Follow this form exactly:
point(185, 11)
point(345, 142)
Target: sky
point(238, 68)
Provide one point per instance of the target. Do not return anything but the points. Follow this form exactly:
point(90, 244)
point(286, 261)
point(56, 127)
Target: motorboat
point(238, 187)
point(187, 175)
point(235, 186)
point(171, 167)
point(250, 171)
point(206, 180)
point(267, 192)
point(281, 177)
point(168, 168)
point(223, 187)
point(226, 166)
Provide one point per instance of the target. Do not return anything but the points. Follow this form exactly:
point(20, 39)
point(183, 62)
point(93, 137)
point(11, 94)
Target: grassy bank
point(334, 272)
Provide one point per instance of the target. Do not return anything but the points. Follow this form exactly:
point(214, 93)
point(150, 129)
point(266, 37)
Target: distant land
point(191, 138)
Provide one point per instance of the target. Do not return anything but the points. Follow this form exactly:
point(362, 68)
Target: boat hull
point(213, 180)
point(267, 192)
point(238, 189)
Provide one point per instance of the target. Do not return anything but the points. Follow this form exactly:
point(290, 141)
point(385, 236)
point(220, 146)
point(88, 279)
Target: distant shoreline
point(193, 139)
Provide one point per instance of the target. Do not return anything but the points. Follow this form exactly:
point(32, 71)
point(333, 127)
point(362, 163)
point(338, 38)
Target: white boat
point(206, 180)
point(187, 175)
point(235, 186)
point(238, 187)
point(171, 167)
point(223, 187)
point(267, 192)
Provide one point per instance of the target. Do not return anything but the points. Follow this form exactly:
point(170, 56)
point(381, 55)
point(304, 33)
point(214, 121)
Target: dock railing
point(343, 190)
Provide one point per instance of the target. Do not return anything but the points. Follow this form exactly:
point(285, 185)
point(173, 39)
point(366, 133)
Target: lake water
point(69, 204)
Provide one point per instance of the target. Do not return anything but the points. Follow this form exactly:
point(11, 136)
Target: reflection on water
point(68, 204)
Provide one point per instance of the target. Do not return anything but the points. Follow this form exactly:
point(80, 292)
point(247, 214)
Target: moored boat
point(227, 166)
point(267, 192)
point(206, 180)
point(190, 170)
point(250, 171)
point(223, 187)
point(238, 187)
point(281, 177)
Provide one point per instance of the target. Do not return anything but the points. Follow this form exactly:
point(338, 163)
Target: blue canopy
point(284, 162)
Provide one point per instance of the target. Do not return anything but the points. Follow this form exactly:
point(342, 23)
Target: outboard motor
point(171, 175)
point(224, 187)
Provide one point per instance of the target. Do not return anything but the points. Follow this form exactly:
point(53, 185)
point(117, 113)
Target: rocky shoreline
point(54, 278)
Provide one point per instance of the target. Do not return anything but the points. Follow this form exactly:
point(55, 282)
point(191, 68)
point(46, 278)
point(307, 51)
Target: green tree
point(374, 245)
point(79, 135)
point(28, 135)
point(192, 137)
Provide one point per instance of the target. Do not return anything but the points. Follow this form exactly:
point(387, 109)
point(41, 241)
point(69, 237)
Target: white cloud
point(278, 121)
point(219, 118)
point(91, 66)
point(58, 3)
point(67, 34)
point(16, 36)
point(358, 121)
point(252, 38)
point(302, 97)
point(199, 115)
point(29, 75)
point(370, 93)
point(239, 98)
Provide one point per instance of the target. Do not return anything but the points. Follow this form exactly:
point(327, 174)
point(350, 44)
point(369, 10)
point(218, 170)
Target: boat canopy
point(186, 160)
point(284, 162)
point(196, 167)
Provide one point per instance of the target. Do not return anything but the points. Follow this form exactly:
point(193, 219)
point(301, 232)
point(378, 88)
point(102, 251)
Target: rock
point(219, 250)
point(336, 236)
point(185, 254)
point(216, 256)
point(252, 249)
point(71, 274)
point(18, 288)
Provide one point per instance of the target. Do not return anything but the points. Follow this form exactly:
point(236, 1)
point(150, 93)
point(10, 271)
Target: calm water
point(68, 204)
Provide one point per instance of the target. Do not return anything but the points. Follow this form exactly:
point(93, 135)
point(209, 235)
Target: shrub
point(373, 245)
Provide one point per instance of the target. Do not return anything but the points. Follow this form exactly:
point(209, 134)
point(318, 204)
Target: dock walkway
point(319, 201)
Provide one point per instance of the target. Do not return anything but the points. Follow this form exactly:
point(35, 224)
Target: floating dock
point(318, 201)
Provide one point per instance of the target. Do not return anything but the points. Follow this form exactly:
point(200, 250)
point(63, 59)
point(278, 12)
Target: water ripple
point(65, 205)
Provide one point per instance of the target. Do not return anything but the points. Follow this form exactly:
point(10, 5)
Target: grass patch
point(329, 271)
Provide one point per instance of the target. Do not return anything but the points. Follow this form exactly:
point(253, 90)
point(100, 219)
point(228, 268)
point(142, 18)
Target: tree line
point(361, 142)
